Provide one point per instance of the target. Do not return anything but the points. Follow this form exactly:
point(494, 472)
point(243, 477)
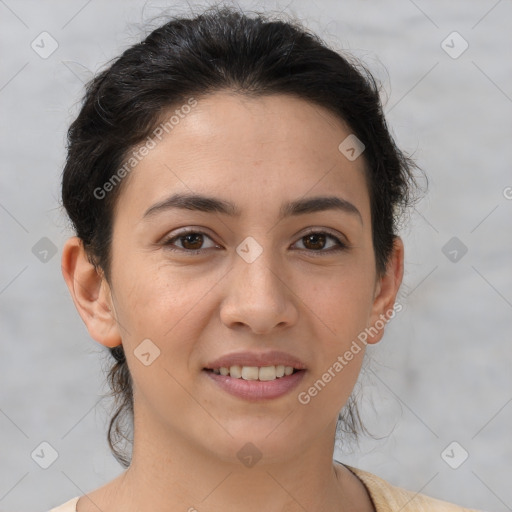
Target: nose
point(258, 297)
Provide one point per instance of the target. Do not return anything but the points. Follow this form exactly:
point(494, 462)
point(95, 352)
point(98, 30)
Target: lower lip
point(257, 389)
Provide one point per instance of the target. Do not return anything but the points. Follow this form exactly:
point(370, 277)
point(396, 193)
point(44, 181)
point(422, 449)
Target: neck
point(179, 475)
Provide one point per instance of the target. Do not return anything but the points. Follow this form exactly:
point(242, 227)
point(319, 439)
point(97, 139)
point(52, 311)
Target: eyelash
point(168, 242)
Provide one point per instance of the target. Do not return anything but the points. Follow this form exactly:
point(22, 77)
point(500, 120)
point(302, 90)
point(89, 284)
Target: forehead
point(256, 151)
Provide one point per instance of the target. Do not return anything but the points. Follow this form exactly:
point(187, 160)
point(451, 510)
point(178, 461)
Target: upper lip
point(271, 358)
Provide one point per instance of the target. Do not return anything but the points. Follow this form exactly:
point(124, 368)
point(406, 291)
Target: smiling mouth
point(261, 373)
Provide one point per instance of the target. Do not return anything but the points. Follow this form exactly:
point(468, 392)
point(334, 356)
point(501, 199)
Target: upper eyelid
point(185, 232)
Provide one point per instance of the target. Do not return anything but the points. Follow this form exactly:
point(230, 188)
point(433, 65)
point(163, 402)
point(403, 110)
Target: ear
point(90, 293)
point(386, 290)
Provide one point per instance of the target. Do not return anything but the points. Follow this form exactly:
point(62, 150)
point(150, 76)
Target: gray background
point(443, 370)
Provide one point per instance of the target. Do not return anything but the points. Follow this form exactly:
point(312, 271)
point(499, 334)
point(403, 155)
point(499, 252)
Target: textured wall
point(442, 373)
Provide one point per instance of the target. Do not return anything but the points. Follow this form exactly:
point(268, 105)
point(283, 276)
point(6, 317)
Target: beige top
point(385, 498)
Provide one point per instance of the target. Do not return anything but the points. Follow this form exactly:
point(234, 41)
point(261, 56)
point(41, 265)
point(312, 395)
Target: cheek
point(153, 297)
point(342, 304)
point(170, 307)
point(161, 319)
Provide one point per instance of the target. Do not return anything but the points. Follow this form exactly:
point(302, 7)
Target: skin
point(296, 296)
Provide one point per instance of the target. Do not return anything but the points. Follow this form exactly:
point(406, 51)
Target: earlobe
point(90, 293)
point(386, 291)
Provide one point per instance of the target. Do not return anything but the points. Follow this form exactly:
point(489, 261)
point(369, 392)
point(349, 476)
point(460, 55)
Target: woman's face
point(256, 283)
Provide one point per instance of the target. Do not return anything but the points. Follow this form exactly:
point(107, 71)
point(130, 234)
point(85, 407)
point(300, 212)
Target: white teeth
point(255, 372)
point(267, 373)
point(235, 371)
point(250, 372)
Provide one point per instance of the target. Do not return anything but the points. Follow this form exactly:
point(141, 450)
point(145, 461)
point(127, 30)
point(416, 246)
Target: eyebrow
point(207, 204)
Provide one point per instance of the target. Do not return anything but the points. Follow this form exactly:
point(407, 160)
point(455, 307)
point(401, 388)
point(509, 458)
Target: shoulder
point(69, 506)
point(388, 498)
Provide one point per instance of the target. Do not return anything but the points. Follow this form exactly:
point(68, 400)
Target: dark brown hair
point(220, 49)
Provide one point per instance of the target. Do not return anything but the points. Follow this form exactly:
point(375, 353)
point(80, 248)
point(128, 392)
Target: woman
point(235, 195)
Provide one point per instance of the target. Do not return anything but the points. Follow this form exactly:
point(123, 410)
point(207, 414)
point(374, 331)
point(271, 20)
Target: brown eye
point(314, 241)
point(191, 242)
point(317, 241)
